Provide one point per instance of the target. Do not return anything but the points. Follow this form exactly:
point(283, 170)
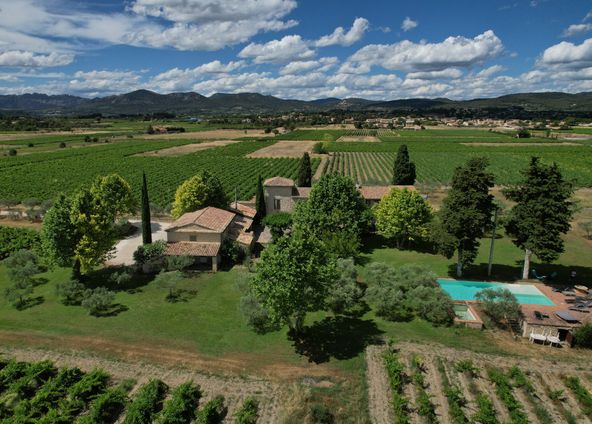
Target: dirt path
point(319, 172)
point(188, 148)
point(410, 391)
point(285, 149)
point(436, 391)
point(234, 389)
point(570, 403)
point(379, 391)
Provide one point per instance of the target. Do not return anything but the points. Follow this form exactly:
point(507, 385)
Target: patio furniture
point(537, 276)
point(581, 290)
point(553, 340)
point(537, 338)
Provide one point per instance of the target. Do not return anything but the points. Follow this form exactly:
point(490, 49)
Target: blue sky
point(303, 49)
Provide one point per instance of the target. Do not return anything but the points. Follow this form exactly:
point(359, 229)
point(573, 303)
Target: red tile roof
point(244, 210)
point(192, 248)
point(211, 218)
point(279, 182)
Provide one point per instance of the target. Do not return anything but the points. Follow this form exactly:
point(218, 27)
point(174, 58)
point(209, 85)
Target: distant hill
point(144, 101)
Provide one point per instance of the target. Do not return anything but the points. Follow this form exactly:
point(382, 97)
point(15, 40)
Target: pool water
point(463, 312)
point(526, 294)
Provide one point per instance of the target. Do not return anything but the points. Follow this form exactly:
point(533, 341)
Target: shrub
point(500, 305)
point(169, 281)
point(121, 278)
point(89, 387)
point(396, 375)
point(583, 336)
point(70, 292)
point(212, 412)
point(62, 145)
point(147, 403)
point(320, 414)
point(182, 406)
point(106, 408)
point(248, 413)
point(12, 152)
point(15, 239)
point(97, 301)
point(255, 315)
point(278, 223)
point(232, 252)
point(150, 252)
point(178, 263)
point(319, 149)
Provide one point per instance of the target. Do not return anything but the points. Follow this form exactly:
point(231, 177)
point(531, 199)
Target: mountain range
point(144, 102)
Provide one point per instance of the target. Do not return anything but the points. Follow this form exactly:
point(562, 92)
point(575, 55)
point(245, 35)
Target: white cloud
point(183, 79)
point(19, 58)
point(413, 57)
point(343, 38)
point(408, 24)
point(576, 29)
point(449, 73)
point(102, 83)
point(321, 65)
point(568, 55)
point(487, 72)
point(288, 49)
point(588, 16)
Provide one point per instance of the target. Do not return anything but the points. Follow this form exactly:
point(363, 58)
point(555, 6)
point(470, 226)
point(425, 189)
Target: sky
point(297, 49)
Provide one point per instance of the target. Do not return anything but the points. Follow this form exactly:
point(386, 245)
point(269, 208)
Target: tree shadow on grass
point(30, 302)
point(514, 272)
point(373, 242)
point(335, 337)
point(182, 295)
point(103, 278)
point(113, 310)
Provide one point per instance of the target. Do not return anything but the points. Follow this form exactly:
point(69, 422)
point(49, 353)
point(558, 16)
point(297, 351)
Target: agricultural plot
point(421, 384)
point(45, 393)
point(436, 160)
point(44, 175)
point(316, 135)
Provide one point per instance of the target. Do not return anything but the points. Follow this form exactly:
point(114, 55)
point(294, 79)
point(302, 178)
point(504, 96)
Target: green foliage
point(97, 301)
point(150, 252)
point(278, 223)
point(59, 234)
point(146, 225)
point(147, 403)
point(467, 209)
point(260, 206)
point(467, 366)
point(70, 292)
point(248, 413)
point(293, 278)
point(521, 380)
point(403, 216)
point(503, 389)
point(169, 281)
point(542, 213)
point(232, 252)
point(91, 386)
point(585, 226)
point(179, 263)
point(486, 413)
point(400, 293)
point(212, 412)
point(198, 192)
point(319, 149)
point(14, 239)
point(582, 395)
point(396, 375)
point(500, 305)
point(583, 336)
point(106, 408)
point(304, 172)
point(453, 394)
point(403, 170)
point(21, 266)
point(182, 406)
point(425, 408)
point(346, 293)
point(334, 207)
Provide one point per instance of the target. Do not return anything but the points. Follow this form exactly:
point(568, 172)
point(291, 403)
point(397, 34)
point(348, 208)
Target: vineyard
point(414, 384)
point(44, 175)
point(40, 392)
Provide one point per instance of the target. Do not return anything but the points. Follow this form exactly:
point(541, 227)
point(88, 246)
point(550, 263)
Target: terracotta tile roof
point(279, 182)
point(211, 218)
point(303, 191)
point(191, 248)
point(243, 209)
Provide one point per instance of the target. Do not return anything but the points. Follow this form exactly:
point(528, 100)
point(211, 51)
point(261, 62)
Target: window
point(192, 238)
point(277, 204)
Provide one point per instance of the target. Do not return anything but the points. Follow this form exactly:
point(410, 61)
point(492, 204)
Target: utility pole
point(493, 235)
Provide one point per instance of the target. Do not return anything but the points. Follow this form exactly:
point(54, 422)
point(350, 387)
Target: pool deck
point(559, 300)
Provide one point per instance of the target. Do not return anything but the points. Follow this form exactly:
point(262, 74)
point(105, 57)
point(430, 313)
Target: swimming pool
point(526, 294)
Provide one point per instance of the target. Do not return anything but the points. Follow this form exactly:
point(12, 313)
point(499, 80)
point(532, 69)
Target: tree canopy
point(542, 212)
point(146, 225)
point(403, 216)
point(500, 305)
point(198, 192)
point(260, 201)
point(404, 170)
point(467, 210)
point(335, 212)
point(305, 171)
point(294, 277)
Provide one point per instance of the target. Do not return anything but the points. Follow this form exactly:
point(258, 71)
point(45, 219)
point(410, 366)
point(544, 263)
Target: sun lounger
point(537, 276)
point(537, 337)
point(553, 340)
point(580, 309)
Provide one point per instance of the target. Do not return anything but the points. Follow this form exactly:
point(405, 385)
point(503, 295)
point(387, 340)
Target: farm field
point(410, 383)
point(44, 175)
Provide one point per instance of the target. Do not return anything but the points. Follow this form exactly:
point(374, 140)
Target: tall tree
point(403, 216)
point(59, 234)
point(404, 170)
point(200, 191)
point(542, 213)
point(305, 171)
point(260, 201)
point(336, 213)
point(466, 212)
point(294, 277)
point(146, 224)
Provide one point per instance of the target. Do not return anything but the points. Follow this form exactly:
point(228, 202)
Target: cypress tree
point(146, 226)
point(305, 172)
point(404, 169)
point(260, 201)
point(542, 214)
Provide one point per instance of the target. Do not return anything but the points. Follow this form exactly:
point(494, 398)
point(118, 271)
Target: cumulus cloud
point(413, 57)
point(408, 24)
point(568, 55)
point(102, 83)
point(19, 58)
point(288, 49)
point(321, 65)
point(576, 29)
point(449, 73)
point(345, 38)
point(183, 79)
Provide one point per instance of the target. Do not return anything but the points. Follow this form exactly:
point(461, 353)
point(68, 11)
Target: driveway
point(124, 251)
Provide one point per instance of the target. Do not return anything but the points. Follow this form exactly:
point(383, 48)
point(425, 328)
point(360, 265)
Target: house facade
point(201, 234)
